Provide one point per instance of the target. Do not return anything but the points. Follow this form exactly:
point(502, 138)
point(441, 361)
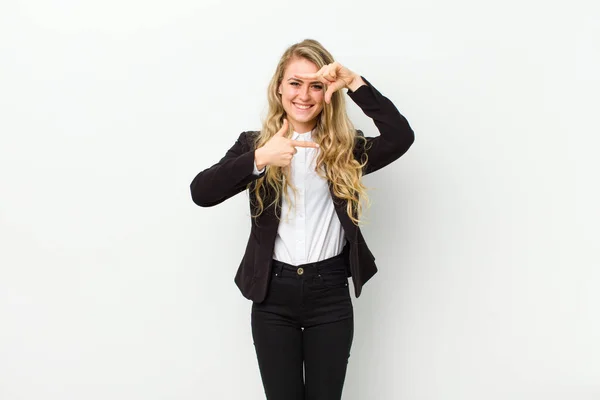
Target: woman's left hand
point(336, 77)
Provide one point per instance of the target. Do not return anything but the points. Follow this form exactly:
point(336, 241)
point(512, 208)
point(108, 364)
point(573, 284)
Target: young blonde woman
point(303, 173)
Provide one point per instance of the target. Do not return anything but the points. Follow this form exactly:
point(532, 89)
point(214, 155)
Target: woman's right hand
point(279, 150)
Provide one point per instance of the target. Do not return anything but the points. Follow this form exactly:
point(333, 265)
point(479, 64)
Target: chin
point(304, 119)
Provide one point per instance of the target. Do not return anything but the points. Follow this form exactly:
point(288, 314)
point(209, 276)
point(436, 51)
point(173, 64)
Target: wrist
point(259, 159)
point(356, 82)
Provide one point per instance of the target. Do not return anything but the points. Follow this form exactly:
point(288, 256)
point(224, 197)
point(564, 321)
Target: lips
point(303, 107)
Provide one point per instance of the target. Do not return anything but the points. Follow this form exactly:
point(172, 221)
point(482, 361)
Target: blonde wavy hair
point(334, 133)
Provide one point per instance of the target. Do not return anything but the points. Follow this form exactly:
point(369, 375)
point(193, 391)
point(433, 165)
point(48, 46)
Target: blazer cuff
point(365, 94)
point(257, 171)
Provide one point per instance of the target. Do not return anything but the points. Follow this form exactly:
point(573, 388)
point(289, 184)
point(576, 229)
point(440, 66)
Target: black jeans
point(305, 324)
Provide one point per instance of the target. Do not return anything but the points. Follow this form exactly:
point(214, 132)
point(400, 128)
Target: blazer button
point(300, 271)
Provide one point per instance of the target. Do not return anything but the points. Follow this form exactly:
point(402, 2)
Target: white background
point(114, 285)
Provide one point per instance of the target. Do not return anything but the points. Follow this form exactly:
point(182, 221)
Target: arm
point(226, 178)
point(396, 135)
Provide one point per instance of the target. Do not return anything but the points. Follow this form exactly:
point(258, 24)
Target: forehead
point(300, 66)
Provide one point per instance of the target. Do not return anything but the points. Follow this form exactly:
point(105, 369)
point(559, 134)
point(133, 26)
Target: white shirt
point(311, 231)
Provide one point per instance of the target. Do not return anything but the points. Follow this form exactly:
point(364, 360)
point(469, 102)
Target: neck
point(303, 128)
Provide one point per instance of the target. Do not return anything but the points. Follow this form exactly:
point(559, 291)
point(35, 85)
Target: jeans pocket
point(333, 281)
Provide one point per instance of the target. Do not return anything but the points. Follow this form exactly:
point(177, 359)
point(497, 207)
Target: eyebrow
point(300, 80)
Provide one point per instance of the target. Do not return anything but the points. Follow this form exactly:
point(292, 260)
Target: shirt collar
point(306, 136)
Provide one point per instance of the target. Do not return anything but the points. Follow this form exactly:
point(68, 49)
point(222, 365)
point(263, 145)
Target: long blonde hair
point(334, 133)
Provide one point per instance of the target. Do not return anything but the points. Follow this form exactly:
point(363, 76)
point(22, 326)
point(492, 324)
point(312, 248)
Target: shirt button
point(300, 271)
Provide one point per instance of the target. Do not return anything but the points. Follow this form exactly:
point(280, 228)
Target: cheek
point(319, 97)
point(285, 97)
point(286, 102)
point(288, 94)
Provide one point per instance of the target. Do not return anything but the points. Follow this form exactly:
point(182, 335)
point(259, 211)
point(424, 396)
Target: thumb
point(337, 85)
point(329, 93)
point(284, 128)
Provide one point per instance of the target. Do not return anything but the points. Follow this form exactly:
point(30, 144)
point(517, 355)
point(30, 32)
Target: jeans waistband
point(336, 263)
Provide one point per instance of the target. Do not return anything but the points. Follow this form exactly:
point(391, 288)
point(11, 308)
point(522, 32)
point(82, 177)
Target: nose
point(304, 92)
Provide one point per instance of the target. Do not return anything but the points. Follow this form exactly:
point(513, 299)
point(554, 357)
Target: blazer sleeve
point(228, 177)
point(396, 135)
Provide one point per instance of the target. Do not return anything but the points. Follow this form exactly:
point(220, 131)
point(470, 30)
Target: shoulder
point(251, 135)
point(248, 138)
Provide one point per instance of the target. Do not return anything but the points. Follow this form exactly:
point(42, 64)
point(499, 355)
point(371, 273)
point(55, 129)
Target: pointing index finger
point(298, 143)
point(307, 76)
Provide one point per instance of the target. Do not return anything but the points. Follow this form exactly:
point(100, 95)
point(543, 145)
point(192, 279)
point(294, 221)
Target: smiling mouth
point(303, 106)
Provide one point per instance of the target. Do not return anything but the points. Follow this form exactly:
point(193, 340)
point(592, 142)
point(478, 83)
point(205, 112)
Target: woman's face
point(302, 100)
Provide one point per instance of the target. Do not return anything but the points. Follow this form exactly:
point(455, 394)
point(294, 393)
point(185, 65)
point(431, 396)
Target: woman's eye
point(294, 84)
point(317, 87)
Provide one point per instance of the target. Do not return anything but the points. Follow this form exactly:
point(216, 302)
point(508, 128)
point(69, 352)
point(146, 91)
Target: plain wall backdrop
point(114, 285)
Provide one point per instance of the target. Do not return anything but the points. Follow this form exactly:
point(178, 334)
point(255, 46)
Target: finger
point(317, 75)
point(313, 77)
point(332, 88)
point(298, 143)
point(328, 80)
point(330, 73)
point(284, 128)
point(307, 76)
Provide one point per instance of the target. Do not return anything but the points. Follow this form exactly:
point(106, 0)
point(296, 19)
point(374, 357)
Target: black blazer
point(234, 172)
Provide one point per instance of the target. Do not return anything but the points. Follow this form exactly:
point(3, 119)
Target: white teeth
point(302, 107)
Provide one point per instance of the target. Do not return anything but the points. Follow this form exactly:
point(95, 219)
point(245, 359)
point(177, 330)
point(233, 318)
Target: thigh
point(278, 345)
point(326, 352)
